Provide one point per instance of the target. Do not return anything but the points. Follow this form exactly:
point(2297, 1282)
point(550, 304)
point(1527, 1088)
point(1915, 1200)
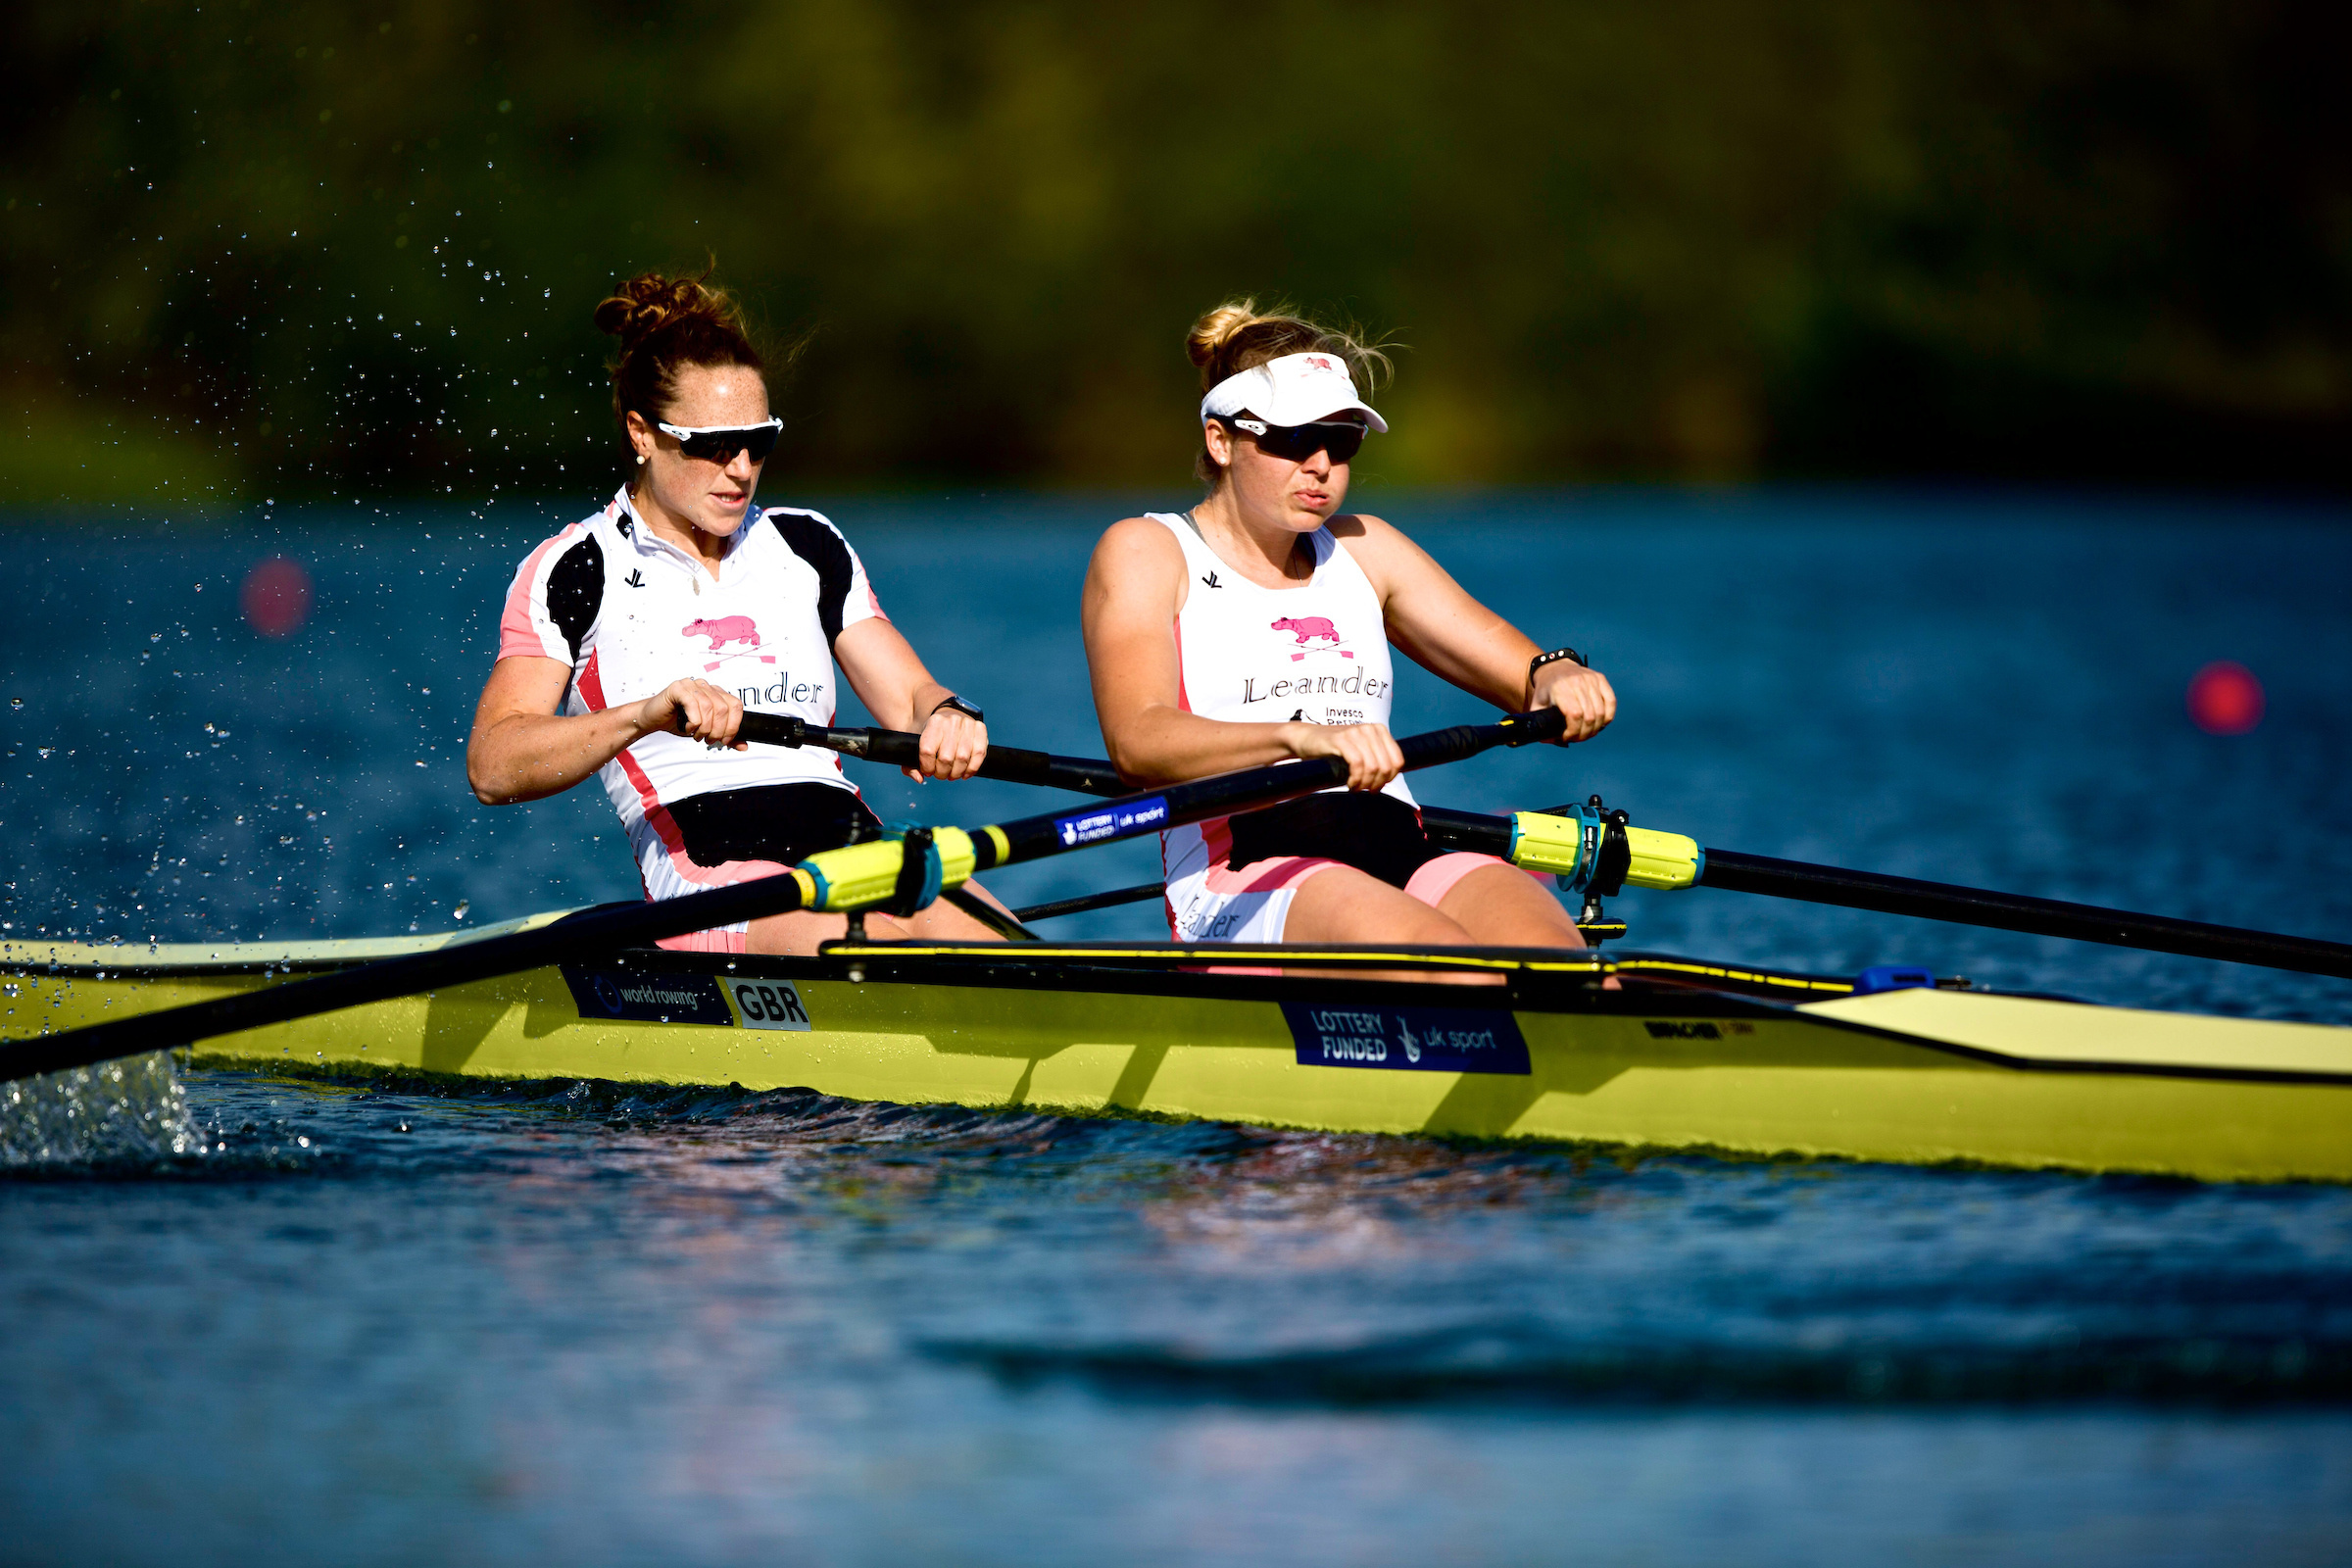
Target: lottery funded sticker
point(1111, 822)
point(1405, 1039)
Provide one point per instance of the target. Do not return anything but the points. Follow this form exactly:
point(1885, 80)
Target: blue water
point(394, 1325)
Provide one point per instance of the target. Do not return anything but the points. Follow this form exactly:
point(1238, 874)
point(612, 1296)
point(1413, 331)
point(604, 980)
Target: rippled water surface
point(391, 1324)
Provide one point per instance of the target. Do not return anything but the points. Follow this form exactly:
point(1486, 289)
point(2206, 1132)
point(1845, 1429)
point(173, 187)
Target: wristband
point(961, 707)
point(1554, 658)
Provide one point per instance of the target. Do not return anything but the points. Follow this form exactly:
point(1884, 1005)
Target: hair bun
point(649, 302)
point(1210, 332)
point(664, 324)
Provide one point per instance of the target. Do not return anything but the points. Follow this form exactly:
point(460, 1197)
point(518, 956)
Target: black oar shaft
point(2011, 912)
point(1030, 914)
point(900, 749)
point(1057, 833)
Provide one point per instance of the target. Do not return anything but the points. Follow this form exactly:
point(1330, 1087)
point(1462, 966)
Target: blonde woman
point(1260, 626)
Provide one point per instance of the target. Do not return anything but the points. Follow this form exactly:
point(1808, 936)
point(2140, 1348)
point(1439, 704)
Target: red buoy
point(277, 597)
point(2225, 699)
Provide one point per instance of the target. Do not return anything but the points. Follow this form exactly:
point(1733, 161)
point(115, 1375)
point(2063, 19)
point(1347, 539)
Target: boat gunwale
point(1534, 982)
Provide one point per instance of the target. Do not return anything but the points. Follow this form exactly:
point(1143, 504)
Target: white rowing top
point(630, 612)
point(1317, 652)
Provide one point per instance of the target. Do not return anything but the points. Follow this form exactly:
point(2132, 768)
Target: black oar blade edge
point(2011, 912)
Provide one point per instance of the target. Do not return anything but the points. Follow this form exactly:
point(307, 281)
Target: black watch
point(1554, 658)
point(961, 707)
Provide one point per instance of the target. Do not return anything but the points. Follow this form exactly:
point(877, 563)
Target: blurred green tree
point(314, 249)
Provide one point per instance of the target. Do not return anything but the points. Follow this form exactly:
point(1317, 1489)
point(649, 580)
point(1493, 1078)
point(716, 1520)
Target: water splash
point(127, 1113)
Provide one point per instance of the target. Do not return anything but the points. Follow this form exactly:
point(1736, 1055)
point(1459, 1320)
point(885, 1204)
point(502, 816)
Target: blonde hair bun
point(1236, 336)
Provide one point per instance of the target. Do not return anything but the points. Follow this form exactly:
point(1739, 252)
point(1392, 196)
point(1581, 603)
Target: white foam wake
point(126, 1112)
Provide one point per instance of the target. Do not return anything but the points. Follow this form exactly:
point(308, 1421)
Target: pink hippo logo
point(726, 630)
point(1309, 627)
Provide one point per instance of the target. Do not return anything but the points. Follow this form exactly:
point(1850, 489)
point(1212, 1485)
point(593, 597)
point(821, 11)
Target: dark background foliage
point(315, 249)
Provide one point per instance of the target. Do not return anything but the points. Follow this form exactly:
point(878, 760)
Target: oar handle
point(1468, 740)
point(900, 749)
point(1088, 776)
point(1148, 811)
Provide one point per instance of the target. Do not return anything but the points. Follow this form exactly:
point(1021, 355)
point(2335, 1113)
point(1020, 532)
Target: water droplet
point(44, 752)
point(15, 702)
point(462, 905)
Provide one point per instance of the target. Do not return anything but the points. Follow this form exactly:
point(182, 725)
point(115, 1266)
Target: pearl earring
point(640, 460)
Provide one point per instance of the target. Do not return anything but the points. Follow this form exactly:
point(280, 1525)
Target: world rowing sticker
point(646, 997)
point(1408, 1039)
point(1111, 822)
point(768, 1003)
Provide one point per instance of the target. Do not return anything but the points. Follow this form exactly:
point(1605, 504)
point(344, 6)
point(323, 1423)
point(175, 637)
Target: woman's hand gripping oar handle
point(855, 876)
point(900, 749)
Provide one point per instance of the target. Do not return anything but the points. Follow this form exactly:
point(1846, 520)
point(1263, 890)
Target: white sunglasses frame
point(773, 422)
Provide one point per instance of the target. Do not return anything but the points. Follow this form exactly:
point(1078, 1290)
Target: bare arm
point(1450, 634)
point(888, 676)
point(522, 750)
point(1134, 589)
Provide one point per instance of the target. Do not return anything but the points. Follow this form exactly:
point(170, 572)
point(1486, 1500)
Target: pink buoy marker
point(2225, 699)
point(277, 597)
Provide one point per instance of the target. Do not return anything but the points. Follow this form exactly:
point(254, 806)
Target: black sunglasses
point(1295, 443)
point(720, 443)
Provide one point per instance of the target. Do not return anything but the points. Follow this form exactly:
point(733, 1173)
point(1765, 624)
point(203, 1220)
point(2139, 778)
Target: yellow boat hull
point(1920, 1077)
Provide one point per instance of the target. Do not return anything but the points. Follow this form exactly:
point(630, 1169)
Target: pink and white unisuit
point(630, 612)
point(1317, 652)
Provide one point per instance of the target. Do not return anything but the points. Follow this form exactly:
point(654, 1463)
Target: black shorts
point(1377, 834)
point(781, 822)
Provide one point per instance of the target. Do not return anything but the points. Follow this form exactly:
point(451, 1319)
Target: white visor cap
point(1295, 389)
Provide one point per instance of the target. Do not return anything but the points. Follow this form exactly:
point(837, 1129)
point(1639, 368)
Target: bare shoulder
point(1386, 556)
point(1138, 539)
point(1362, 530)
point(1136, 553)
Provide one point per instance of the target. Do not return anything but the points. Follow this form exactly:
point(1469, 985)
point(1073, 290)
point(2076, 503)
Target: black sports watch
point(961, 707)
point(1554, 658)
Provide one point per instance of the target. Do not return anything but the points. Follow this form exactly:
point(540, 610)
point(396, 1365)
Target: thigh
point(1502, 907)
point(799, 932)
point(1341, 904)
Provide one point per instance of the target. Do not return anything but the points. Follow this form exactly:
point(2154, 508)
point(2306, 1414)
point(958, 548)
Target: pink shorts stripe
point(1269, 875)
